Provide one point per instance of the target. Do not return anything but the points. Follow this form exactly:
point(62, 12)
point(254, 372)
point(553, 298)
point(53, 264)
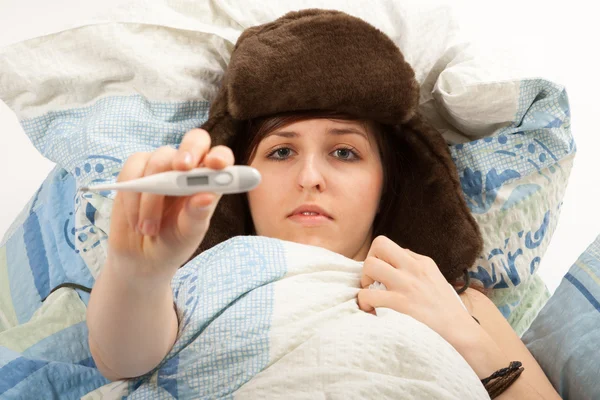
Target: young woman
point(328, 178)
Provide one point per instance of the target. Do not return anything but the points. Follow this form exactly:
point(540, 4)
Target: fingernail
point(149, 227)
point(199, 207)
point(187, 158)
point(194, 208)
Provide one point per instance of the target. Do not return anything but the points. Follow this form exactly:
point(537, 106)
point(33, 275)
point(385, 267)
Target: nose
point(311, 174)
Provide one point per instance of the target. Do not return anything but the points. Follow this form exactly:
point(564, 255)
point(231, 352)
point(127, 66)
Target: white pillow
point(202, 36)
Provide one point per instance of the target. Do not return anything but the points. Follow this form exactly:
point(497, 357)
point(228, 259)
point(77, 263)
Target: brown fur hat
point(328, 60)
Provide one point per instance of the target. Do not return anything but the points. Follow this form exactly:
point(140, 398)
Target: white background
point(560, 37)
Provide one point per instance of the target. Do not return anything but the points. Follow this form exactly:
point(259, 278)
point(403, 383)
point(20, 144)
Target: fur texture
point(325, 59)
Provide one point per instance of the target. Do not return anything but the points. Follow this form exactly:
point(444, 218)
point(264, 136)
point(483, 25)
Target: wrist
point(136, 275)
point(464, 332)
point(478, 348)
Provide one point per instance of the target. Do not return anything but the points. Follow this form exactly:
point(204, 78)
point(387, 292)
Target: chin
point(314, 240)
point(308, 236)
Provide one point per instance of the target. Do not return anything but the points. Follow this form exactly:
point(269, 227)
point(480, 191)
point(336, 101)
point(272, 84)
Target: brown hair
point(385, 137)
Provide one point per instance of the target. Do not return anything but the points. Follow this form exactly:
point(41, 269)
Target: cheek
point(365, 191)
point(255, 198)
point(371, 196)
point(264, 196)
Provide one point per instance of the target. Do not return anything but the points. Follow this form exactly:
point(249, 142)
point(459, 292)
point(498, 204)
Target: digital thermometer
point(232, 179)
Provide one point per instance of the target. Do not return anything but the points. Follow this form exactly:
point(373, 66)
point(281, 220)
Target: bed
point(136, 78)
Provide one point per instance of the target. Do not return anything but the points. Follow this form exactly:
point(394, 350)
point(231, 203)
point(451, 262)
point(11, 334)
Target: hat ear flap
point(430, 214)
point(220, 124)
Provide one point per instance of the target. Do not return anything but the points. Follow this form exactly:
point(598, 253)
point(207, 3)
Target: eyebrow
point(334, 131)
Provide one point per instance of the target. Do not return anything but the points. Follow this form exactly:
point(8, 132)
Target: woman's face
point(333, 164)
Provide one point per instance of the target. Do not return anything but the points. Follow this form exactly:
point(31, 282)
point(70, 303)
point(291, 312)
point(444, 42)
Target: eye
point(279, 152)
point(344, 153)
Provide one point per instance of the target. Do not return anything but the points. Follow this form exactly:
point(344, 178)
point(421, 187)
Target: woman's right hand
point(153, 235)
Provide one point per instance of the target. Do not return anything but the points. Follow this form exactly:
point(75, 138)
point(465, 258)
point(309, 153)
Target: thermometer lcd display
point(197, 180)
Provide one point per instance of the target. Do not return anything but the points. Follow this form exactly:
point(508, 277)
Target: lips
point(310, 208)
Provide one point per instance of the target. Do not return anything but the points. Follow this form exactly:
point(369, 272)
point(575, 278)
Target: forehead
point(321, 126)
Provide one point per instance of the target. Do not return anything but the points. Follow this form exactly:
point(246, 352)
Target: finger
point(219, 157)
point(375, 269)
point(365, 280)
point(202, 200)
point(369, 300)
point(201, 206)
point(132, 169)
point(387, 250)
point(194, 217)
point(194, 146)
point(151, 205)
point(414, 255)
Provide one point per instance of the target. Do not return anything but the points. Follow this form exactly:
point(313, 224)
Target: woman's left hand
point(415, 286)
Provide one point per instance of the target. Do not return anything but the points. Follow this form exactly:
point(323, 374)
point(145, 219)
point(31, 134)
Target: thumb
point(370, 299)
point(195, 216)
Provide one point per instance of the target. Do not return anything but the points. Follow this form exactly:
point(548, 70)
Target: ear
point(431, 216)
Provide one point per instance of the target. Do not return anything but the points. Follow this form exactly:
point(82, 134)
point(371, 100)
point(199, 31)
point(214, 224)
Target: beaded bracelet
point(503, 379)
